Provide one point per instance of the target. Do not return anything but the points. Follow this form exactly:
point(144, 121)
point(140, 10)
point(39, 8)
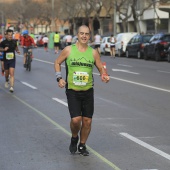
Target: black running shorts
point(9, 64)
point(80, 103)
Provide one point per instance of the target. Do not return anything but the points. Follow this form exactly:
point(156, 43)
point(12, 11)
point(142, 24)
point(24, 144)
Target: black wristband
point(58, 79)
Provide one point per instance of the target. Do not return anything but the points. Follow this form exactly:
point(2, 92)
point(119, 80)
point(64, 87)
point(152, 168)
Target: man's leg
point(11, 73)
point(24, 60)
point(6, 78)
point(75, 126)
point(85, 129)
point(84, 133)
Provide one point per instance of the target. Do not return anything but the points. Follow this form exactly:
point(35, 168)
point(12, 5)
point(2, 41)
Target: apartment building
point(154, 19)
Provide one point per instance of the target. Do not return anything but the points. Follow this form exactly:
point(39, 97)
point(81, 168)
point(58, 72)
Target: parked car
point(135, 46)
point(168, 54)
point(157, 47)
point(121, 42)
point(105, 45)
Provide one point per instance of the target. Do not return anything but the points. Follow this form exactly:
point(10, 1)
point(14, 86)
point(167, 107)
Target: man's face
point(25, 35)
point(83, 35)
point(9, 35)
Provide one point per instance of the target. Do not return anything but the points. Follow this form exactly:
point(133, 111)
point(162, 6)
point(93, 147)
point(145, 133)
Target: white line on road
point(125, 71)
point(29, 85)
point(124, 65)
point(151, 148)
point(163, 71)
point(60, 101)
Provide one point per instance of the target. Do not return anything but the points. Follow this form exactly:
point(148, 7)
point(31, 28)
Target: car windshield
point(166, 38)
point(147, 38)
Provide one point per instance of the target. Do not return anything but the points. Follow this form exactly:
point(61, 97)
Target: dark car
point(168, 54)
point(135, 47)
point(157, 47)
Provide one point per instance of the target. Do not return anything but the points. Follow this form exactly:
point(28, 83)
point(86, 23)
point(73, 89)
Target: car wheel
point(127, 54)
point(104, 52)
point(169, 57)
point(157, 55)
point(119, 53)
point(145, 55)
point(139, 55)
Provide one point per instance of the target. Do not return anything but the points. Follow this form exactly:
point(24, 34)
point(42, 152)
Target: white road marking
point(29, 85)
point(125, 71)
point(149, 169)
point(163, 71)
point(60, 101)
point(124, 65)
point(147, 146)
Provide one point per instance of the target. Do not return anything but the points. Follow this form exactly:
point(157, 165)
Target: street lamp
point(2, 22)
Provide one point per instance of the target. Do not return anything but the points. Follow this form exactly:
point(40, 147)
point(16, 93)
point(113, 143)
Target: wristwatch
point(58, 79)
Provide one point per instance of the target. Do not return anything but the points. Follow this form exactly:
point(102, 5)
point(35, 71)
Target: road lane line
point(106, 161)
point(124, 65)
point(163, 71)
point(127, 81)
point(29, 85)
point(125, 71)
point(147, 146)
point(60, 101)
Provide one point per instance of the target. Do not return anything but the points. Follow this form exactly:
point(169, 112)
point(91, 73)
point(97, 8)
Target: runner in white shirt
point(112, 46)
point(68, 40)
point(97, 39)
point(45, 40)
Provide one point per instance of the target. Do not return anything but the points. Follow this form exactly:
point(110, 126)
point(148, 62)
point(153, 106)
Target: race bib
point(80, 78)
point(9, 56)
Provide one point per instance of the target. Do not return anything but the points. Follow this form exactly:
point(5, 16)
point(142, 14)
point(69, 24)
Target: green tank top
point(56, 38)
point(79, 69)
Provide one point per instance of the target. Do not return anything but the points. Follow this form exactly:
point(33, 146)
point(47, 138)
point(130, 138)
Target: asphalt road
point(130, 129)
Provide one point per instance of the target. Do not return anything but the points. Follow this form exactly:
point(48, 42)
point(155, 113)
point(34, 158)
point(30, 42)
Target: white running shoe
point(6, 84)
point(11, 89)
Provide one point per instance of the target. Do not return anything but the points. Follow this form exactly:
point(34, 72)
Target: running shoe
point(6, 84)
point(11, 89)
point(82, 150)
point(73, 145)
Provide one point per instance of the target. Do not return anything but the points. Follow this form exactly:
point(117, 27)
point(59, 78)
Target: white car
point(122, 40)
point(105, 45)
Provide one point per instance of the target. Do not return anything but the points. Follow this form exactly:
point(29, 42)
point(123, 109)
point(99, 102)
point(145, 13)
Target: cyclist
point(9, 46)
point(26, 42)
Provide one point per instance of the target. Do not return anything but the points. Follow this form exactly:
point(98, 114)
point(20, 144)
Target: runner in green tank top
point(80, 60)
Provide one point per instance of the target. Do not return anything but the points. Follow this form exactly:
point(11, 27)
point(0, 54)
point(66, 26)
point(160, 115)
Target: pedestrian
point(97, 40)
point(80, 60)
point(68, 39)
point(112, 46)
point(56, 41)
point(9, 46)
point(45, 41)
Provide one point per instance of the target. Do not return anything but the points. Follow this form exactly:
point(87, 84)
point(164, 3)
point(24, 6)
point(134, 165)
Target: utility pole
point(52, 15)
point(114, 19)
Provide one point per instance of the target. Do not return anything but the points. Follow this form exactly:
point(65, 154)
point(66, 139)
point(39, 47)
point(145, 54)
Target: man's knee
point(76, 121)
point(87, 122)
